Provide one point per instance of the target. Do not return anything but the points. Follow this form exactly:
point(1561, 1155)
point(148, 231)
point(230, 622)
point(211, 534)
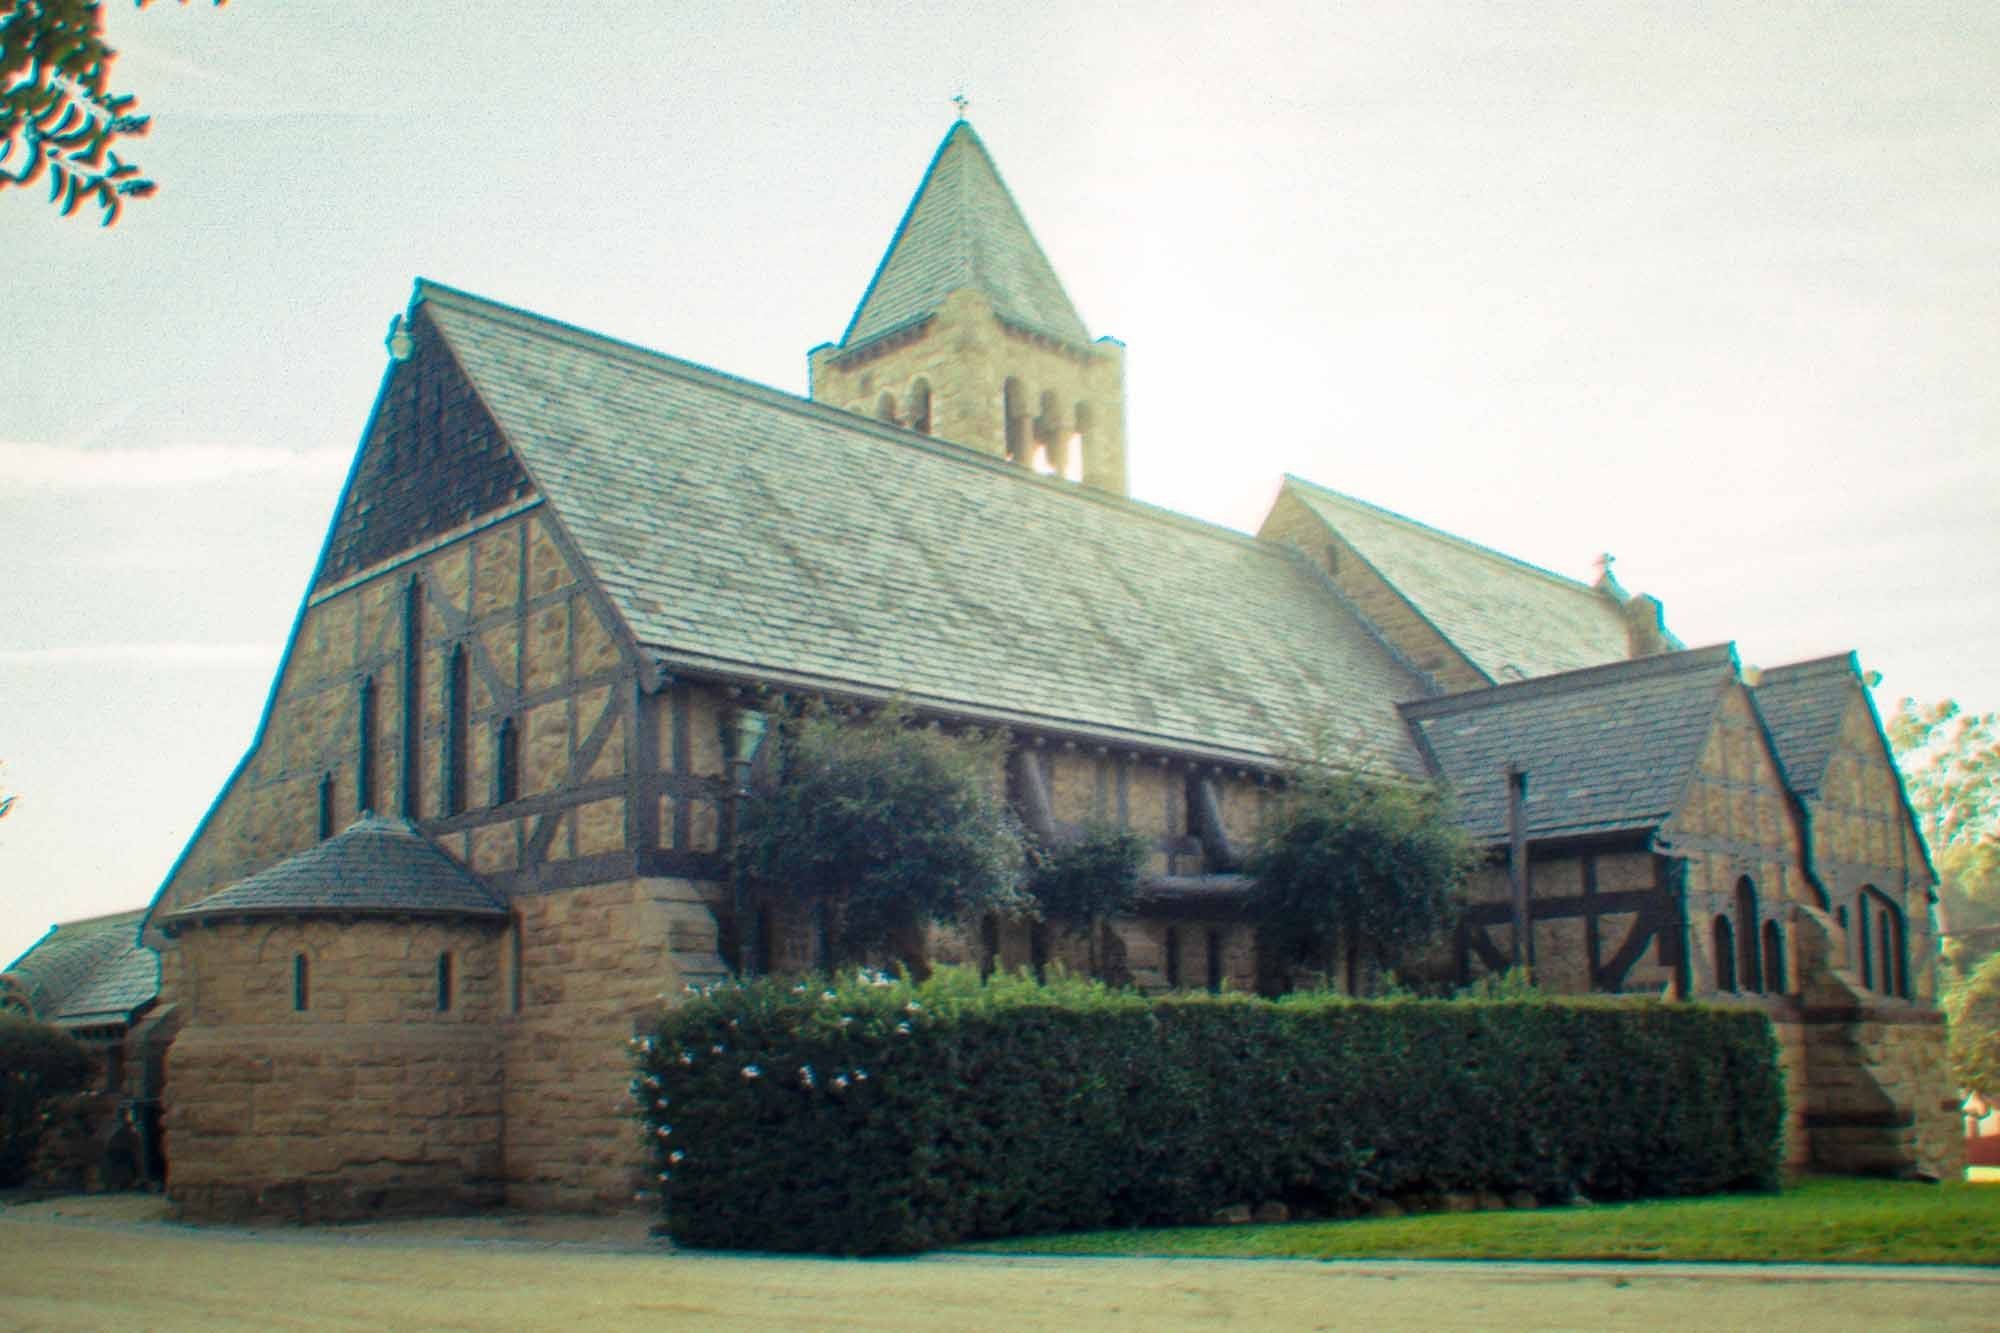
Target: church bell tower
point(965, 333)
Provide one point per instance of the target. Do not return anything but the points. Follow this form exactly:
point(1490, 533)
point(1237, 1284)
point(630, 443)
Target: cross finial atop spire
point(960, 101)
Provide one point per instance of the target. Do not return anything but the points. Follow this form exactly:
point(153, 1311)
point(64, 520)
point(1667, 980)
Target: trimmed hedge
point(39, 1063)
point(869, 1115)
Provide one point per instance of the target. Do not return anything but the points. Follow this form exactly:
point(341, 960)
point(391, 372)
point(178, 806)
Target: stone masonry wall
point(370, 1099)
point(966, 355)
point(594, 964)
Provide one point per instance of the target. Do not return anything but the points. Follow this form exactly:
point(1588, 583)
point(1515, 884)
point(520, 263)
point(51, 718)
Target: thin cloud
point(35, 466)
point(169, 652)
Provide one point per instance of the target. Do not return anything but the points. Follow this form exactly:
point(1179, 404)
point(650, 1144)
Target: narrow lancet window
point(301, 983)
point(885, 408)
point(1725, 955)
point(444, 982)
point(325, 806)
point(506, 763)
point(364, 757)
point(1014, 415)
point(458, 726)
point(920, 407)
point(413, 695)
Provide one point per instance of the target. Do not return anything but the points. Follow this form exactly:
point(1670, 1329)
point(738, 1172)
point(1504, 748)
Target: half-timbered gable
point(1575, 783)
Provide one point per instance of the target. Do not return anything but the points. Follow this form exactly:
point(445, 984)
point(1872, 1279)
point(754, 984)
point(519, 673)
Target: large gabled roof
point(88, 973)
point(1510, 619)
point(963, 229)
point(1606, 750)
point(747, 533)
point(377, 866)
point(1803, 705)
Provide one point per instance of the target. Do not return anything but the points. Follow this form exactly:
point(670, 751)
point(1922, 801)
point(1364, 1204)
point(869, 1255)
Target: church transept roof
point(1606, 750)
point(1509, 618)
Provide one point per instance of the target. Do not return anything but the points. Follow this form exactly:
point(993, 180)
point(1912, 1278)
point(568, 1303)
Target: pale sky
point(1710, 286)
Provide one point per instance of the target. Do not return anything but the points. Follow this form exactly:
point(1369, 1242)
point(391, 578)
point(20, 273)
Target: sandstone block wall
point(331, 1122)
point(594, 965)
point(966, 355)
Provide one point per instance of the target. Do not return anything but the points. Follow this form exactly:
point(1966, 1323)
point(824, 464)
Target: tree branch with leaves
point(58, 114)
point(1950, 761)
point(1367, 869)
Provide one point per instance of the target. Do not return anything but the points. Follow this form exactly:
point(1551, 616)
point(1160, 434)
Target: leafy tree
point(1081, 882)
point(1372, 867)
point(57, 111)
point(1950, 761)
point(1973, 1007)
point(885, 825)
point(37, 1063)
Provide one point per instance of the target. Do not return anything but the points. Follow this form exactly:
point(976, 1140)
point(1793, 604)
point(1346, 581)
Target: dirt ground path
point(118, 1264)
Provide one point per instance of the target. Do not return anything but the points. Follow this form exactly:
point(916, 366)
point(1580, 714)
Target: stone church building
point(482, 826)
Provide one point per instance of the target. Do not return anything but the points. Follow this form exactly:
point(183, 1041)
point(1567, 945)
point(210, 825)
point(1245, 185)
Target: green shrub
point(871, 1115)
point(38, 1064)
point(884, 824)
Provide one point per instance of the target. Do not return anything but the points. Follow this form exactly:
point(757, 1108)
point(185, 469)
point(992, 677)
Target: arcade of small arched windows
point(1878, 943)
point(1749, 949)
point(1044, 442)
point(915, 412)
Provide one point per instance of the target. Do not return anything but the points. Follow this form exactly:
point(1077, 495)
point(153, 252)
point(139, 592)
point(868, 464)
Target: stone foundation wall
point(593, 965)
point(319, 1123)
point(1870, 1092)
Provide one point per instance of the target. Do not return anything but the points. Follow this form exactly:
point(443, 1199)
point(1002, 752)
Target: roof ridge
point(1477, 548)
point(1834, 663)
point(481, 307)
point(1583, 678)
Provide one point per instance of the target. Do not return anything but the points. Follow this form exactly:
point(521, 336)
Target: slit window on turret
point(444, 982)
point(301, 983)
point(325, 806)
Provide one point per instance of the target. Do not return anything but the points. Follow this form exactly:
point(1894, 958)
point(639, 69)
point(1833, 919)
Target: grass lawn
point(1815, 1220)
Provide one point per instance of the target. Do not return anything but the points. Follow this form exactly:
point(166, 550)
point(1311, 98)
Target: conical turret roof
point(963, 229)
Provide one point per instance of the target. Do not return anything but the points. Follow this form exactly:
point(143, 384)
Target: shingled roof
point(1509, 618)
point(749, 534)
point(88, 973)
point(1802, 705)
point(376, 866)
point(963, 229)
point(1606, 750)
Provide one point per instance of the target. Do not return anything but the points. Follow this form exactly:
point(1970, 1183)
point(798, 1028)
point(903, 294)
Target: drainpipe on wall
point(742, 735)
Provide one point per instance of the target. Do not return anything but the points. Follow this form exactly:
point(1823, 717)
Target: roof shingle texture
point(963, 229)
point(84, 973)
point(1509, 618)
point(743, 531)
point(376, 865)
point(1802, 706)
point(1608, 749)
